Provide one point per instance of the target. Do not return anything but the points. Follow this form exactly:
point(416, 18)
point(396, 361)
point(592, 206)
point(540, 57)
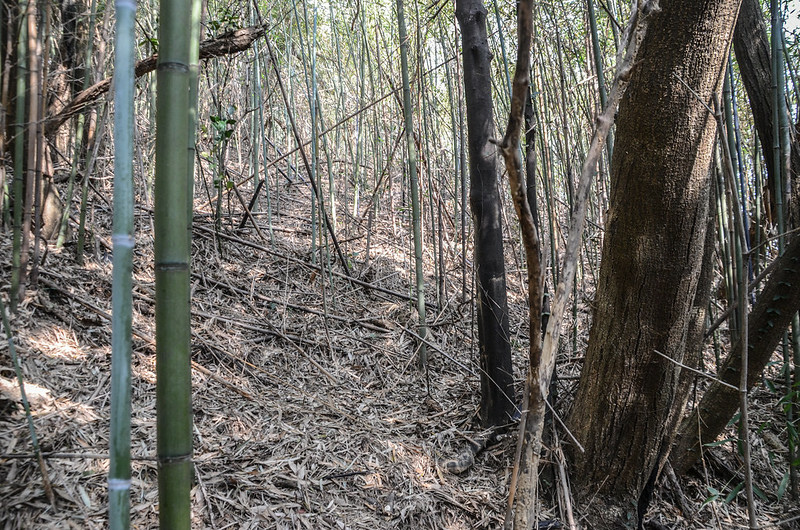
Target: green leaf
point(711, 498)
point(760, 494)
point(792, 431)
point(783, 485)
point(732, 495)
point(152, 41)
point(718, 443)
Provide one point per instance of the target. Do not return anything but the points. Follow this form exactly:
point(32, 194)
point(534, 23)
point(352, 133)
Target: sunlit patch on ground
point(57, 342)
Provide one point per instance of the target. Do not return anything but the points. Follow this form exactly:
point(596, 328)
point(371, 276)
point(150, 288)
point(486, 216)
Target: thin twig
point(698, 372)
point(48, 488)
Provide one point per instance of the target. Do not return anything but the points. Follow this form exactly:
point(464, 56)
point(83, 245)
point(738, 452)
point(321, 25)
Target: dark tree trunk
point(753, 54)
point(768, 320)
point(650, 295)
point(497, 389)
point(751, 45)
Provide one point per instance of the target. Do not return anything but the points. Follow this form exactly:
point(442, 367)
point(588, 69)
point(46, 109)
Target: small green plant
point(223, 127)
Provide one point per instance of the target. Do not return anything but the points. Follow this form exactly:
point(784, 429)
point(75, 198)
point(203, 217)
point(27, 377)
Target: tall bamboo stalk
point(173, 185)
point(42, 51)
point(412, 170)
point(744, 434)
point(32, 182)
point(601, 78)
point(17, 269)
point(780, 153)
point(778, 108)
point(119, 474)
point(6, 46)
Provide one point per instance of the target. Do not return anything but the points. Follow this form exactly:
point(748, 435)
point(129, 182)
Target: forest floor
point(309, 411)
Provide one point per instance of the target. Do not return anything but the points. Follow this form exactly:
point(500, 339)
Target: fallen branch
point(230, 43)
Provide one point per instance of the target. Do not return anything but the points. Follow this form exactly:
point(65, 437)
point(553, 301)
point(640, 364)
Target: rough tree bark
point(649, 295)
point(753, 54)
point(497, 389)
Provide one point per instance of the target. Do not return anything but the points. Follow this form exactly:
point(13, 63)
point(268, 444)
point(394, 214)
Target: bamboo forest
point(404, 264)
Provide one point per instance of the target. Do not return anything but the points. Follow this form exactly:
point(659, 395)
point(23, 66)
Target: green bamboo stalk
point(377, 138)
point(6, 41)
point(82, 218)
point(427, 113)
point(40, 95)
point(412, 170)
point(601, 78)
point(778, 109)
point(172, 254)
point(32, 122)
point(260, 104)
point(311, 87)
point(727, 100)
point(254, 103)
point(119, 474)
point(90, 161)
point(462, 165)
point(339, 112)
point(726, 241)
point(548, 180)
point(451, 104)
point(730, 149)
point(758, 214)
point(17, 274)
point(500, 34)
point(730, 191)
point(780, 153)
point(358, 178)
point(740, 171)
point(312, 102)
